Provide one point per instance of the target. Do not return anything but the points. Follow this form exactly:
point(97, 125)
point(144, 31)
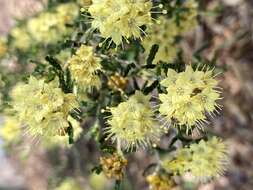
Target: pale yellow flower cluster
point(190, 94)
point(62, 139)
point(11, 130)
point(49, 27)
point(188, 18)
point(164, 31)
point(162, 34)
point(84, 66)
point(46, 28)
point(120, 19)
point(21, 38)
point(204, 160)
point(43, 106)
point(132, 123)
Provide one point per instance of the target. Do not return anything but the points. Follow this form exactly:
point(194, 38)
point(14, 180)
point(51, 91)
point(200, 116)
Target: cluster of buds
point(159, 181)
point(113, 166)
point(117, 82)
point(84, 66)
point(44, 107)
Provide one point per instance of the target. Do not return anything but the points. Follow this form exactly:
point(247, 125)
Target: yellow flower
point(120, 19)
point(69, 183)
point(159, 181)
point(21, 38)
point(132, 123)
point(62, 138)
point(204, 160)
point(42, 106)
point(3, 47)
point(188, 18)
point(49, 27)
point(113, 166)
point(11, 130)
point(163, 34)
point(84, 66)
point(189, 95)
point(165, 30)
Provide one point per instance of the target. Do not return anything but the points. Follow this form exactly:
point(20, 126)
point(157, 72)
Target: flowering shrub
point(113, 72)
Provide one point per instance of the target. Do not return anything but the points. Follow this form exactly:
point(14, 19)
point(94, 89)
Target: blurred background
point(230, 35)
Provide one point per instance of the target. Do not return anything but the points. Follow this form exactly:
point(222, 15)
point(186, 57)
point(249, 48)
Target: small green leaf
point(152, 54)
point(97, 169)
point(150, 88)
point(70, 132)
point(54, 62)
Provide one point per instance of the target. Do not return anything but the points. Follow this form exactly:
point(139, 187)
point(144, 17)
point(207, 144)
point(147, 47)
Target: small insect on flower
point(113, 166)
point(84, 66)
point(204, 160)
point(42, 106)
point(132, 123)
point(189, 95)
point(121, 19)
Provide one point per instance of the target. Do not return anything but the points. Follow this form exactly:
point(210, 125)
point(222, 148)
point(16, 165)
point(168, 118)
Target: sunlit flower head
point(132, 123)
point(120, 19)
point(84, 66)
point(42, 106)
point(113, 166)
point(204, 160)
point(190, 94)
